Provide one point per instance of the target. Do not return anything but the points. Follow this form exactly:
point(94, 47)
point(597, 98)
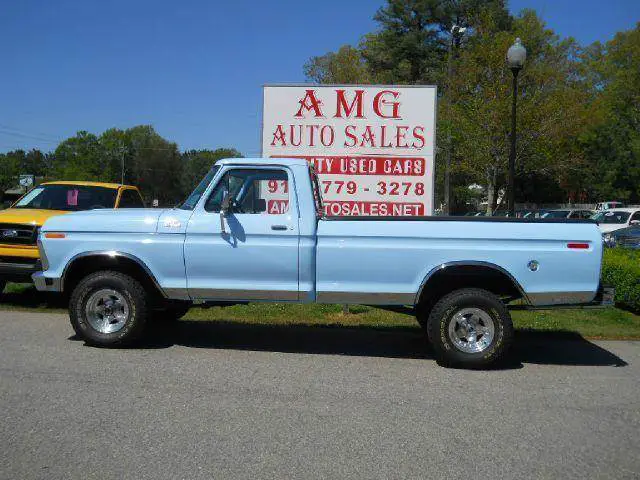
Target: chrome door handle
point(278, 227)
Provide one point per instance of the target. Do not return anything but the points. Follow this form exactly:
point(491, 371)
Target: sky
point(193, 69)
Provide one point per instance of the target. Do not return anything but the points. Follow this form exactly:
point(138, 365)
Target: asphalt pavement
point(226, 400)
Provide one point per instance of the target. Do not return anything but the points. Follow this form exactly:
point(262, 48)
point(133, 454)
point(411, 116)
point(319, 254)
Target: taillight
point(578, 245)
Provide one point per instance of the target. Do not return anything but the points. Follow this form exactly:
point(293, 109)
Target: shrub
point(621, 270)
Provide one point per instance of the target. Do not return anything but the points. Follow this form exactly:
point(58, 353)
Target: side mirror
point(225, 208)
point(634, 222)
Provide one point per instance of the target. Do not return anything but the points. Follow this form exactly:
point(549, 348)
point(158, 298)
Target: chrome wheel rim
point(471, 330)
point(107, 310)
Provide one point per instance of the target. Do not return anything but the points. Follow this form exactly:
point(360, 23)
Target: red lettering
point(379, 101)
point(383, 133)
point(308, 103)
point(312, 129)
point(351, 136)
point(401, 132)
point(354, 208)
point(364, 165)
point(280, 136)
point(368, 137)
point(348, 109)
point(418, 136)
point(292, 135)
point(323, 138)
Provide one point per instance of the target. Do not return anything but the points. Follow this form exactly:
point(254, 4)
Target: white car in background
point(610, 220)
point(608, 206)
point(568, 213)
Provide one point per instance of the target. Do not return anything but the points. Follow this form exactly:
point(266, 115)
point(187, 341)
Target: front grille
point(20, 260)
point(15, 234)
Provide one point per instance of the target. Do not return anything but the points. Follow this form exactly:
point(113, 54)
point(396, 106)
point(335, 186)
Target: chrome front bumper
point(18, 270)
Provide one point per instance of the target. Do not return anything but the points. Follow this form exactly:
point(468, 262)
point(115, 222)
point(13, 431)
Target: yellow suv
point(19, 224)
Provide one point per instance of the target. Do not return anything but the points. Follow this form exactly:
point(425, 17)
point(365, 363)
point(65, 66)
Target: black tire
point(171, 312)
point(422, 312)
point(479, 306)
point(128, 289)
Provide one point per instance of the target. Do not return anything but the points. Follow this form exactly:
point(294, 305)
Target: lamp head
point(516, 55)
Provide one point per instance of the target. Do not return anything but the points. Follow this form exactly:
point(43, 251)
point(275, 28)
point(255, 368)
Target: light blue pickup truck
point(253, 230)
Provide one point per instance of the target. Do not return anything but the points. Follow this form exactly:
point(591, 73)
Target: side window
point(576, 214)
point(130, 199)
point(635, 216)
point(253, 191)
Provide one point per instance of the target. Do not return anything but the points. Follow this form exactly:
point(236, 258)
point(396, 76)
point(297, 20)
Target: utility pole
point(456, 34)
point(122, 150)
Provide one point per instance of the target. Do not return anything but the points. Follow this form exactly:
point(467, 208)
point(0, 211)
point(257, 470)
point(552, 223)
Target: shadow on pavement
point(554, 348)
point(26, 296)
point(546, 348)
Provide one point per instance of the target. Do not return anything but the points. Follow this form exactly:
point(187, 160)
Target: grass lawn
point(611, 323)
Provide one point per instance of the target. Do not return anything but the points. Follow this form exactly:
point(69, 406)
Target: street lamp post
point(516, 55)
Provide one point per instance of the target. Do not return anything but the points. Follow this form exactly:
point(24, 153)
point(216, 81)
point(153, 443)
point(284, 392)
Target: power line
point(30, 137)
point(27, 132)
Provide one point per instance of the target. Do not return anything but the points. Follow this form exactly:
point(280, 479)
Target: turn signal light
point(54, 235)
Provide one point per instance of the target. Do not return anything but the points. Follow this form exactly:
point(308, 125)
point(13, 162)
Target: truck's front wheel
point(108, 309)
point(470, 327)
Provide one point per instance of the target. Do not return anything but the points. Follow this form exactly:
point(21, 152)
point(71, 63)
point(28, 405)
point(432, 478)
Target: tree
point(79, 158)
point(410, 46)
point(8, 172)
point(612, 144)
point(155, 165)
point(347, 65)
point(115, 146)
point(551, 106)
point(196, 163)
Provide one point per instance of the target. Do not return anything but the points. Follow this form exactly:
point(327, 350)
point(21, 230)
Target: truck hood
point(28, 216)
point(126, 220)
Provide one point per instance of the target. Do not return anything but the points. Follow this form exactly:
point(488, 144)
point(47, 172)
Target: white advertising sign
point(372, 146)
point(26, 180)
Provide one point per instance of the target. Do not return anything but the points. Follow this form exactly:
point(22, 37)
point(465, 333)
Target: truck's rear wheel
point(108, 309)
point(470, 327)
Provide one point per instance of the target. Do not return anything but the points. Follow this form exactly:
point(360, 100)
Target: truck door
point(253, 253)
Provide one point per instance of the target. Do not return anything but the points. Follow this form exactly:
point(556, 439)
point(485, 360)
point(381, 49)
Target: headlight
point(609, 239)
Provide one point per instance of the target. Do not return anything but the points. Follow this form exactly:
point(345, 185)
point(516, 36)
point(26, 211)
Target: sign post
point(372, 146)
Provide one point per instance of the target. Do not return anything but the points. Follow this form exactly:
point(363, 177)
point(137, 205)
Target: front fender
point(161, 256)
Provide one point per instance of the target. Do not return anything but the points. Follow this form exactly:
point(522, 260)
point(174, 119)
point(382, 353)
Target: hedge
point(621, 269)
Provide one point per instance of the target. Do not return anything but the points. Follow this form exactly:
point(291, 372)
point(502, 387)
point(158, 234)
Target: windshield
point(192, 200)
point(611, 217)
point(68, 197)
point(556, 214)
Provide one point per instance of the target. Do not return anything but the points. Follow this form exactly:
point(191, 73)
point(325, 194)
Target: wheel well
point(84, 266)
point(455, 277)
